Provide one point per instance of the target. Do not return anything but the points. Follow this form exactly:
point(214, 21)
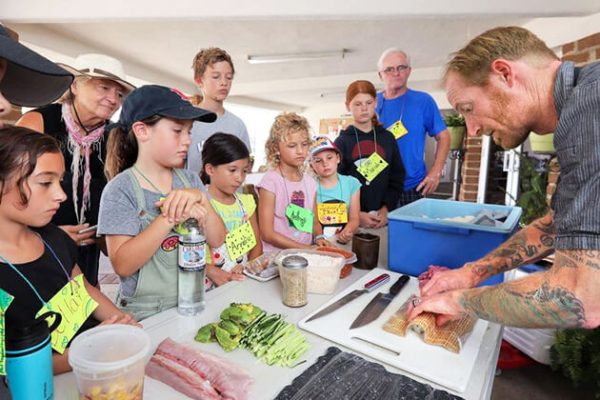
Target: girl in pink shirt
point(287, 205)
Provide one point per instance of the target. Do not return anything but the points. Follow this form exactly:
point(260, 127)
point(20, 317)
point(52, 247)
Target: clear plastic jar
point(293, 279)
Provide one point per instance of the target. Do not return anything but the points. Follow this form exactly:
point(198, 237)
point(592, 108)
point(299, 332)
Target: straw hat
point(99, 66)
point(30, 80)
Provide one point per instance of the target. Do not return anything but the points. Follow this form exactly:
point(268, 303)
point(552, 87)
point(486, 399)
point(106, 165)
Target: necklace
point(148, 180)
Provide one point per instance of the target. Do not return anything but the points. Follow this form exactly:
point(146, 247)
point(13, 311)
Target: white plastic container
point(323, 271)
point(109, 362)
point(535, 343)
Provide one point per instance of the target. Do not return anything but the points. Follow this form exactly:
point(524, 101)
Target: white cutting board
point(408, 353)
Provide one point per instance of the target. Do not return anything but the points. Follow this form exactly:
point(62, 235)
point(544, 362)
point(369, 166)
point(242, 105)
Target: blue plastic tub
point(419, 236)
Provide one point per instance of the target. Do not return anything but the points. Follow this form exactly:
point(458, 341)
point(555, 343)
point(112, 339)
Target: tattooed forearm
point(546, 307)
point(530, 244)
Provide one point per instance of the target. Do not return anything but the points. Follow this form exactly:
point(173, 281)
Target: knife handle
point(396, 287)
point(375, 283)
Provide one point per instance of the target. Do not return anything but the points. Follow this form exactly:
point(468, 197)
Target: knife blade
point(376, 306)
point(369, 286)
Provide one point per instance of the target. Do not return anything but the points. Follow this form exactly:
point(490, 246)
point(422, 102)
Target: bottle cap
point(295, 262)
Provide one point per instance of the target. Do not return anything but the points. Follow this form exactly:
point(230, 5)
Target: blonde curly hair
point(285, 124)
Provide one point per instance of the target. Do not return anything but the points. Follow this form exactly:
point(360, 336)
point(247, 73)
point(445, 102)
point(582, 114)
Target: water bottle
point(192, 262)
point(29, 359)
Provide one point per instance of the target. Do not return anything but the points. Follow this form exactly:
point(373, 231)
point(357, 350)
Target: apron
point(156, 288)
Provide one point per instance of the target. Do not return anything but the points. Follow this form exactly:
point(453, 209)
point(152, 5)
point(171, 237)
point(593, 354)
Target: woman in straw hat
point(78, 122)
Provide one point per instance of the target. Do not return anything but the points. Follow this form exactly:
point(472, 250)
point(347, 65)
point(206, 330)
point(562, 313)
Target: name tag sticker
point(332, 213)
point(240, 241)
point(5, 300)
point(398, 129)
point(75, 305)
point(372, 166)
point(300, 218)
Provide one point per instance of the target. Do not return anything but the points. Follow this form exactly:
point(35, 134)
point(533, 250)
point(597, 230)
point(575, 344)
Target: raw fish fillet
point(191, 371)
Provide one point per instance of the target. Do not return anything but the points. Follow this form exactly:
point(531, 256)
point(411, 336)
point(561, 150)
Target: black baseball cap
point(149, 100)
point(30, 79)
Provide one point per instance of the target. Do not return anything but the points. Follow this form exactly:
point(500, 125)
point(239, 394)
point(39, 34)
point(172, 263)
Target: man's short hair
point(472, 63)
point(387, 52)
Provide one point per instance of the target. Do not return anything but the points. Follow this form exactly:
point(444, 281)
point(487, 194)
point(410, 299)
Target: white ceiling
point(157, 40)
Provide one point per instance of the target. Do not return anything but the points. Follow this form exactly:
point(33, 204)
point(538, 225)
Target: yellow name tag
point(75, 305)
point(332, 213)
point(5, 300)
point(372, 166)
point(398, 129)
point(240, 241)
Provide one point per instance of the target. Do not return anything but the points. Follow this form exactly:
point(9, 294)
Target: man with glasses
point(410, 115)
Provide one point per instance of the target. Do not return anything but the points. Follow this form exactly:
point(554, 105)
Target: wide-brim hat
point(30, 79)
point(149, 100)
point(322, 143)
point(99, 66)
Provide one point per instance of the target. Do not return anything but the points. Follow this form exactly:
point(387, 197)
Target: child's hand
point(199, 213)
point(220, 277)
point(383, 220)
point(323, 243)
point(178, 203)
point(121, 318)
point(345, 235)
point(368, 220)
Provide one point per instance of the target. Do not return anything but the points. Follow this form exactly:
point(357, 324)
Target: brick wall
point(470, 169)
point(583, 50)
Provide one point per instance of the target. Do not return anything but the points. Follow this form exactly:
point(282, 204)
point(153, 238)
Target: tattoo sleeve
point(530, 244)
point(563, 296)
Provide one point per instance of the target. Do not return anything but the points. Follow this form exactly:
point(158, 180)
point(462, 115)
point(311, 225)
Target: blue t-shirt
point(343, 191)
point(419, 115)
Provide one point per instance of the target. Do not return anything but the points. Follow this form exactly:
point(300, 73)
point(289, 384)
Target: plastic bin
point(418, 235)
point(109, 361)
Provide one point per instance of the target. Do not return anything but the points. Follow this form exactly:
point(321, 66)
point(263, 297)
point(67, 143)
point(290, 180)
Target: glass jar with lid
point(293, 278)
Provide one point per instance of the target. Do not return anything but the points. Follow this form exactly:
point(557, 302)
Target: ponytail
point(122, 148)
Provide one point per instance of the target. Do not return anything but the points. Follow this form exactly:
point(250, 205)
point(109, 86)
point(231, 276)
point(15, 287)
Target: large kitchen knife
point(374, 309)
point(369, 286)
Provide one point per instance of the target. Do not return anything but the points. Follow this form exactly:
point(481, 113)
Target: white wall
point(258, 122)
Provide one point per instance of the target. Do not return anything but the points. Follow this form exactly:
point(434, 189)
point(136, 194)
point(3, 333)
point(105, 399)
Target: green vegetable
point(227, 342)
point(231, 327)
point(269, 337)
point(274, 341)
point(243, 314)
point(206, 333)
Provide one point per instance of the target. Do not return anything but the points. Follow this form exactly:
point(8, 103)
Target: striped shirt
point(577, 143)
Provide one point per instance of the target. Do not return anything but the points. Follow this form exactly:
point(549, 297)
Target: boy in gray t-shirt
point(213, 74)
point(226, 123)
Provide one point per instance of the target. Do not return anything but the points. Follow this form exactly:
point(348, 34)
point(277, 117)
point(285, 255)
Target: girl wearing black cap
point(148, 195)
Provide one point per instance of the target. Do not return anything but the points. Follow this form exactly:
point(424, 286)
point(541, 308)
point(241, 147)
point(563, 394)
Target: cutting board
point(407, 353)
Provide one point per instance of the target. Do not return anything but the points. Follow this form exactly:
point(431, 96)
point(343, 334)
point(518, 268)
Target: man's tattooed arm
point(564, 296)
point(530, 244)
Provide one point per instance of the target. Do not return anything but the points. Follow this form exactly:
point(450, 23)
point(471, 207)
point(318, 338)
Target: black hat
point(30, 80)
point(149, 100)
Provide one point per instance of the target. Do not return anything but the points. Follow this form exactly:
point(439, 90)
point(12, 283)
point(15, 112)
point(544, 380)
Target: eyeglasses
point(398, 68)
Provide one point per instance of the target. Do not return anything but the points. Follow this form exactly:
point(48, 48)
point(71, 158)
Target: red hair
point(358, 87)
